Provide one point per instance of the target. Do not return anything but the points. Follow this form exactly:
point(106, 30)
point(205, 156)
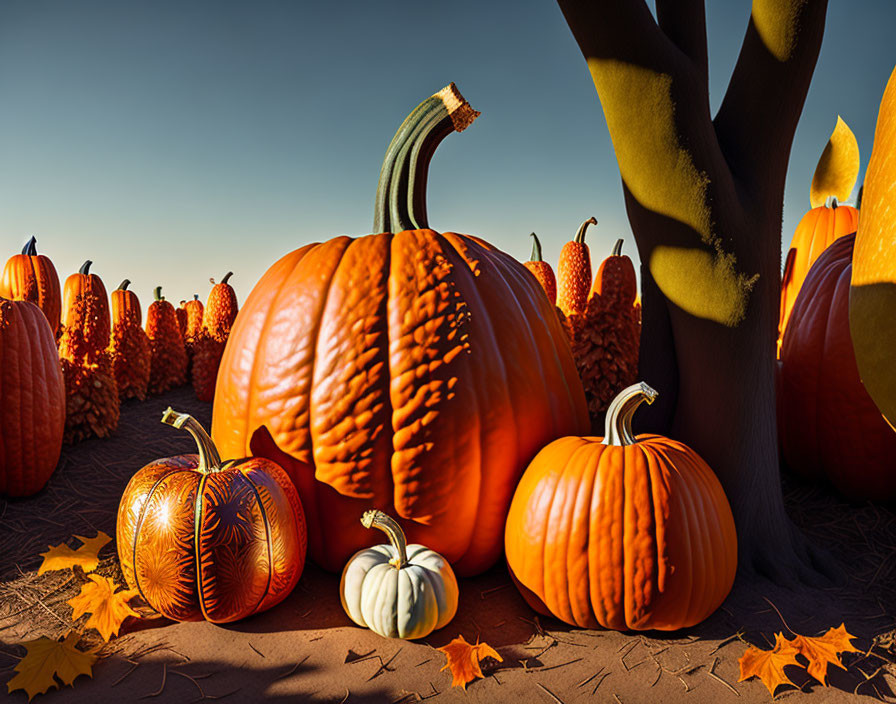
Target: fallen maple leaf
point(768, 665)
point(47, 658)
point(107, 607)
point(61, 557)
point(824, 649)
point(463, 660)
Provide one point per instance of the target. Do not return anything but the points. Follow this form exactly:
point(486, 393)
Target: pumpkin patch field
point(646, 453)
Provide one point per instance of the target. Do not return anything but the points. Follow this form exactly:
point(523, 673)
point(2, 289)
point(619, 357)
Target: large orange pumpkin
point(32, 399)
point(622, 532)
point(30, 276)
point(829, 426)
point(413, 371)
point(204, 539)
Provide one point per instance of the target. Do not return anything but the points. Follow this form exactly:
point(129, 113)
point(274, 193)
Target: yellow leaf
point(46, 658)
point(838, 167)
point(824, 649)
point(768, 665)
point(61, 557)
point(463, 660)
point(107, 607)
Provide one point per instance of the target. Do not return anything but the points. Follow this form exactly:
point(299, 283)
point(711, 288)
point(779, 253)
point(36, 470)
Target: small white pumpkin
point(398, 590)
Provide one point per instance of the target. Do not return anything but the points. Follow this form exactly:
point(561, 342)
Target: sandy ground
point(306, 649)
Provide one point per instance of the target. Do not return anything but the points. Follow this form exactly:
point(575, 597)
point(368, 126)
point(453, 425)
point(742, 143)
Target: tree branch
point(684, 23)
point(759, 114)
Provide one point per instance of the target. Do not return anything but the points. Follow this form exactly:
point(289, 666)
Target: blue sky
point(171, 142)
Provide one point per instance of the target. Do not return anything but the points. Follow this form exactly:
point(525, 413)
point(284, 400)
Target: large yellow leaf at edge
point(872, 292)
point(838, 167)
point(46, 658)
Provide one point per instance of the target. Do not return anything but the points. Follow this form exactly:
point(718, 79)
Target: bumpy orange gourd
point(410, 370)
point(30, 276)
point(92, 403)
point(129, 345)
point(181, 313)
point(574, 272)
point(168, 365)
point(208, 345)
point(194, 310)
point(621, 532)
point(542, 270)
point(32, 399)
point(829, 427)
point(199, 538)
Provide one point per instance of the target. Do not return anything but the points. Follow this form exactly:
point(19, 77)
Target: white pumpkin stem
point(618, 428)
point(209, 459)
point(389, 526)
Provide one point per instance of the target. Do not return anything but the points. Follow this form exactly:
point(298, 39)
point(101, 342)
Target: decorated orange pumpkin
point(204, 539)
point(209, 342)
point(574, 272)
point(30, 276)
point(129, 346)
point(541, 270)
point(622, 532)
point(828, 424)
point(410, 370)
point(168, 365)
point(32, 399)
point(221, 308)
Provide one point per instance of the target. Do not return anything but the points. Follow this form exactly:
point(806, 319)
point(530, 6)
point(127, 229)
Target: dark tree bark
point(704, 197)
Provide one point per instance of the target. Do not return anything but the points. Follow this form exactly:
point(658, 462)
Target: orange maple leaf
point(464, 658)
point(768, 665)
point(107, 607)
point(47, 659)
point(824, 649)
point(61, 557)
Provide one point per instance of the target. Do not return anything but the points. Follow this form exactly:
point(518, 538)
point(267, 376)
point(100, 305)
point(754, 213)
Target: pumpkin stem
point(401, 191)
point(209, 459)
point(617, 249)
point(124, 285)
point(226, 277)
point(389, 526)
point(85, 268)
point(30, 247)
point(618, 428)
point(157, 294)
point(195, 296)
point(580, 233)
point(831, 202)
point(536, 249)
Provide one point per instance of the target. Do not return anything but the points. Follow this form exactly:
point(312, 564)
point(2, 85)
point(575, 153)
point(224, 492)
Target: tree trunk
point(704, 199)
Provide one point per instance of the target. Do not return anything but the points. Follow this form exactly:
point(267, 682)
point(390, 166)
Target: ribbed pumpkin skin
point(168, 365)
point(218, 546)
point(32, 399)
point(129, 346)
point(414, 372)
point(635, 537)
point(33, 278)
point(818, 229)
point(829, 427)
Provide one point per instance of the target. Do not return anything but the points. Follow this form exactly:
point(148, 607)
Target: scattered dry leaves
point(107, 607)
point(768, 665)
point(47, 660)
point(825, 649)
point(61, 557)
point(464, 658)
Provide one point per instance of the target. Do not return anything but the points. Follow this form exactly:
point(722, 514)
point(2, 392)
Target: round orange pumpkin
point(30, 276)
point(622, 532)
point(413, 371)
point(199, 538)
point(32, 399)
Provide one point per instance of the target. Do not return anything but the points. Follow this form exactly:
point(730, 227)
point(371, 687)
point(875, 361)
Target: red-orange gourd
point(574, 272)
point(32, 399)
point(194, 310)
point(30, 276)
point(92, 403)
point(181, 313)
point(208, 345)
point(410, 370)
point(829, 427)
point(199, 538)
point(129, 346)
point(542, 270)
point(622, 532)
point(168, 365)
point(221, 309)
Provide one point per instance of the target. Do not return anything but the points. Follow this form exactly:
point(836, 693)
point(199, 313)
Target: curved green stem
point(617, 249)
point(157, 293)
point(30, 247)
point(124, 285)
point(226, 277)
point(209, 459)
point(580, 233)
point(618, 428)
point(536, 249)
point(389, 526)
point(85, 268)
point(401, 191)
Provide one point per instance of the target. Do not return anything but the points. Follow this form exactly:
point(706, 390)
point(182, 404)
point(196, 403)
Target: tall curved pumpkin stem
point(618, 428)
point(123, 286)
point(30, 247)
point(226, 277)
point(401, 192)
point(85, 268)
point(580, 233)
point(617, 249)
point(157, 293)
point(209, 459)
point(536, 249)
point(389, 526)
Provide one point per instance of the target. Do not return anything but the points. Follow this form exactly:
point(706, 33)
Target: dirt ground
point(306, 649)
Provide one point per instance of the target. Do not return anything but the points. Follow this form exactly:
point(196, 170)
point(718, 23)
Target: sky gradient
point(170, 142)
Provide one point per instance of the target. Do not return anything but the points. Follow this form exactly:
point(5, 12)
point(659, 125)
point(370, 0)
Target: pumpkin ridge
point(698, 515)
point(197, 541)
point(268, 541)
point(637, 463)
point(586, 479)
